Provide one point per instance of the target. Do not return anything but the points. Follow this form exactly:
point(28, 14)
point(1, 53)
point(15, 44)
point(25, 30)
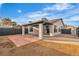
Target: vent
point(44, 19)
point(30, 21)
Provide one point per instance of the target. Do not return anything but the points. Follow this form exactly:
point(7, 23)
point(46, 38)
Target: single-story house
point(44, 27)
point(73, 29)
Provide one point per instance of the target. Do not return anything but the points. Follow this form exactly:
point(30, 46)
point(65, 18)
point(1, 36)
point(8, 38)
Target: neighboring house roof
point(70, 27)
point(44, 21)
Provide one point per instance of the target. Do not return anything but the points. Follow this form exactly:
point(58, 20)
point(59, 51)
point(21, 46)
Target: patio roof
point(44, 21)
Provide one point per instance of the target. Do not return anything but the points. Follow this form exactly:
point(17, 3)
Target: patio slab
point(20, 40)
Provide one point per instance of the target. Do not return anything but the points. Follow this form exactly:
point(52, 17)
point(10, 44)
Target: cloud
point(52, 12)
point(32, 16)
point(35, 15)
point(73, 18)
point(19, 11)
point(60, 7)
point(20, 20)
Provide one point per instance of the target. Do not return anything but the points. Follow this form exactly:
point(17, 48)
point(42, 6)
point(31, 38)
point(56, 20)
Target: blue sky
point(24, 12)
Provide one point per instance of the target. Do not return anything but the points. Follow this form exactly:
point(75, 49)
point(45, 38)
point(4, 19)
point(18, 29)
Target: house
point(6, 22)
point(44, 27)
point(73, 29)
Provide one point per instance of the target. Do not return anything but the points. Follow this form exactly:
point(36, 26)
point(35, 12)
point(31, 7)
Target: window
point(55, 28)
point(31, 29)
point(59, 29)
point(46, 29)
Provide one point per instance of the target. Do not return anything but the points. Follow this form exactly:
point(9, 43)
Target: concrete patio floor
point(20, 40)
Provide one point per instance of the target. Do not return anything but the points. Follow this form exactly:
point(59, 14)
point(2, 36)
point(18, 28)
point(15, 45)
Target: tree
point(14, 23)
point(8, 21)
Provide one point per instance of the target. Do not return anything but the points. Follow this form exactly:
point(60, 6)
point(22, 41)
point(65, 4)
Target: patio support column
point(23, 30)
point(73, 31)
point(28, 29)
point(40, 31)
point(50, 33)
point(51, 30)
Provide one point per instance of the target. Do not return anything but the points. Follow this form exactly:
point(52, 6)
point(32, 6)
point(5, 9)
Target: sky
point(24, 12)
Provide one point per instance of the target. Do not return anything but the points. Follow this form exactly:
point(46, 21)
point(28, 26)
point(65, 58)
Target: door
point(47, 30)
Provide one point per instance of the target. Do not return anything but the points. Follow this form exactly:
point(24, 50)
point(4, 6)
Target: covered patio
point(39, 28)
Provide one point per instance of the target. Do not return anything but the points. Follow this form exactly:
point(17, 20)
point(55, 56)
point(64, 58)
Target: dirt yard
point(38, 48)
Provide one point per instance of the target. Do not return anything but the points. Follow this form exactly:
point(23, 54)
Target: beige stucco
point(59, 24)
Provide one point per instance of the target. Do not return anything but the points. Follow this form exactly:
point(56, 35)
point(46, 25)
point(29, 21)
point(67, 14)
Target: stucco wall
point(59, 24)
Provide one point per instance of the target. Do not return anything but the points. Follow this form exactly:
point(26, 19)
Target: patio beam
point(23, 30)
point(40, 31)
